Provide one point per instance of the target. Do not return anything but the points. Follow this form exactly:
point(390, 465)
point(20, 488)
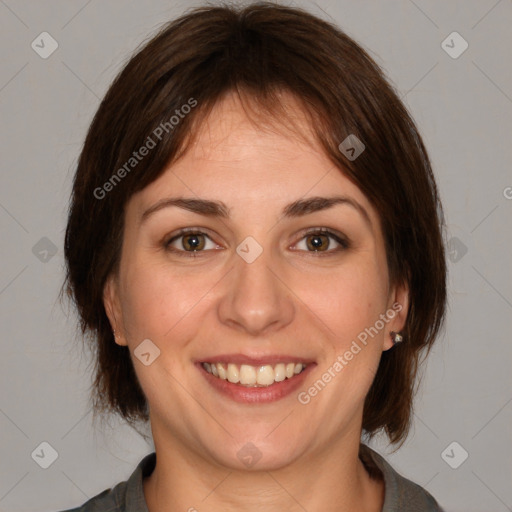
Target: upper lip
point(270, 359)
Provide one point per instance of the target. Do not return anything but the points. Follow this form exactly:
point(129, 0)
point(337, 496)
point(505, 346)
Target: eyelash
point(340, 239)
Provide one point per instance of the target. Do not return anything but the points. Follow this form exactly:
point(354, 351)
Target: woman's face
point(258, 286)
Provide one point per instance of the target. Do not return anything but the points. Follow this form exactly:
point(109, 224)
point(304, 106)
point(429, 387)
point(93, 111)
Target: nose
point(255, 298)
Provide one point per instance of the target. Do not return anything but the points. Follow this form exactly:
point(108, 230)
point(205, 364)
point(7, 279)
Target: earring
point(396, 337)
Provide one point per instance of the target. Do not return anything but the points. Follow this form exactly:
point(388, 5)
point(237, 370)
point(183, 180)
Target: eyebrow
point(211, 208)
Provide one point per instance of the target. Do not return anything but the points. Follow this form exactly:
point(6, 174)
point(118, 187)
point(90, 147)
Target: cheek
point(156, 298)
point(351, 309)
point(347, 301)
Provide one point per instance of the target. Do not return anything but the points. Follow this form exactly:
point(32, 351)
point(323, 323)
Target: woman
point(255, 244)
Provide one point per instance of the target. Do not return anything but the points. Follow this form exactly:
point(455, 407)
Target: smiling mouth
point(254, 376)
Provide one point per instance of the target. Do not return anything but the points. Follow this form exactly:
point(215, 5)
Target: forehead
point(245, 156)
point(236, 124)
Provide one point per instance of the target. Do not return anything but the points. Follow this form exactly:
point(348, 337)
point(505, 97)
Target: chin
point(258, 454)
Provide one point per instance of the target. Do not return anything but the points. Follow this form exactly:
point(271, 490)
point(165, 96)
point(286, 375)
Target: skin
point(291, 299)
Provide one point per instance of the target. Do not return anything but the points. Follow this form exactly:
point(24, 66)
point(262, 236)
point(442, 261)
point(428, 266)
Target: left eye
point(321, 241)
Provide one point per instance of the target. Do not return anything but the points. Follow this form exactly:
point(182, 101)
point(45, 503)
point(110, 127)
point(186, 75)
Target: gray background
point(463, 107)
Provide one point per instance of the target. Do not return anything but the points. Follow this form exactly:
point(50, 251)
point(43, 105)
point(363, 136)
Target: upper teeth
point(253, 375)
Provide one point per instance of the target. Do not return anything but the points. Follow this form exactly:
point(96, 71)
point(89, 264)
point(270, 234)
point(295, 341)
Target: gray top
point(401, 495)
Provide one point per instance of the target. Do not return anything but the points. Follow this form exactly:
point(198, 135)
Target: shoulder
point(401, 494)
point(127, 496)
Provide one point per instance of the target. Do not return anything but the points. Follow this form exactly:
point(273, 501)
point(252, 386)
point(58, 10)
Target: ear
point(113, 310)
point(398, 308)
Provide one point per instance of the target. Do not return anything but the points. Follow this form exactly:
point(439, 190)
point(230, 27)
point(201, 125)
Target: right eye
point(189, 241)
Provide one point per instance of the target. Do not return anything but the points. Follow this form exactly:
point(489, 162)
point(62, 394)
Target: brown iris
point(193, 242)
point(317, 242)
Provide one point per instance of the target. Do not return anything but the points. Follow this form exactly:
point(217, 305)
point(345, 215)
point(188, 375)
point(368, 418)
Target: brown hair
point(257, 51)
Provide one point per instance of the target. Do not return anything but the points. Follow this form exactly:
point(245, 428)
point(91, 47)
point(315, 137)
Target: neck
point(334, 480)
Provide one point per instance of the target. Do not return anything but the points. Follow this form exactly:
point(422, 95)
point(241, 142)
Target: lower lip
point(245, 395)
